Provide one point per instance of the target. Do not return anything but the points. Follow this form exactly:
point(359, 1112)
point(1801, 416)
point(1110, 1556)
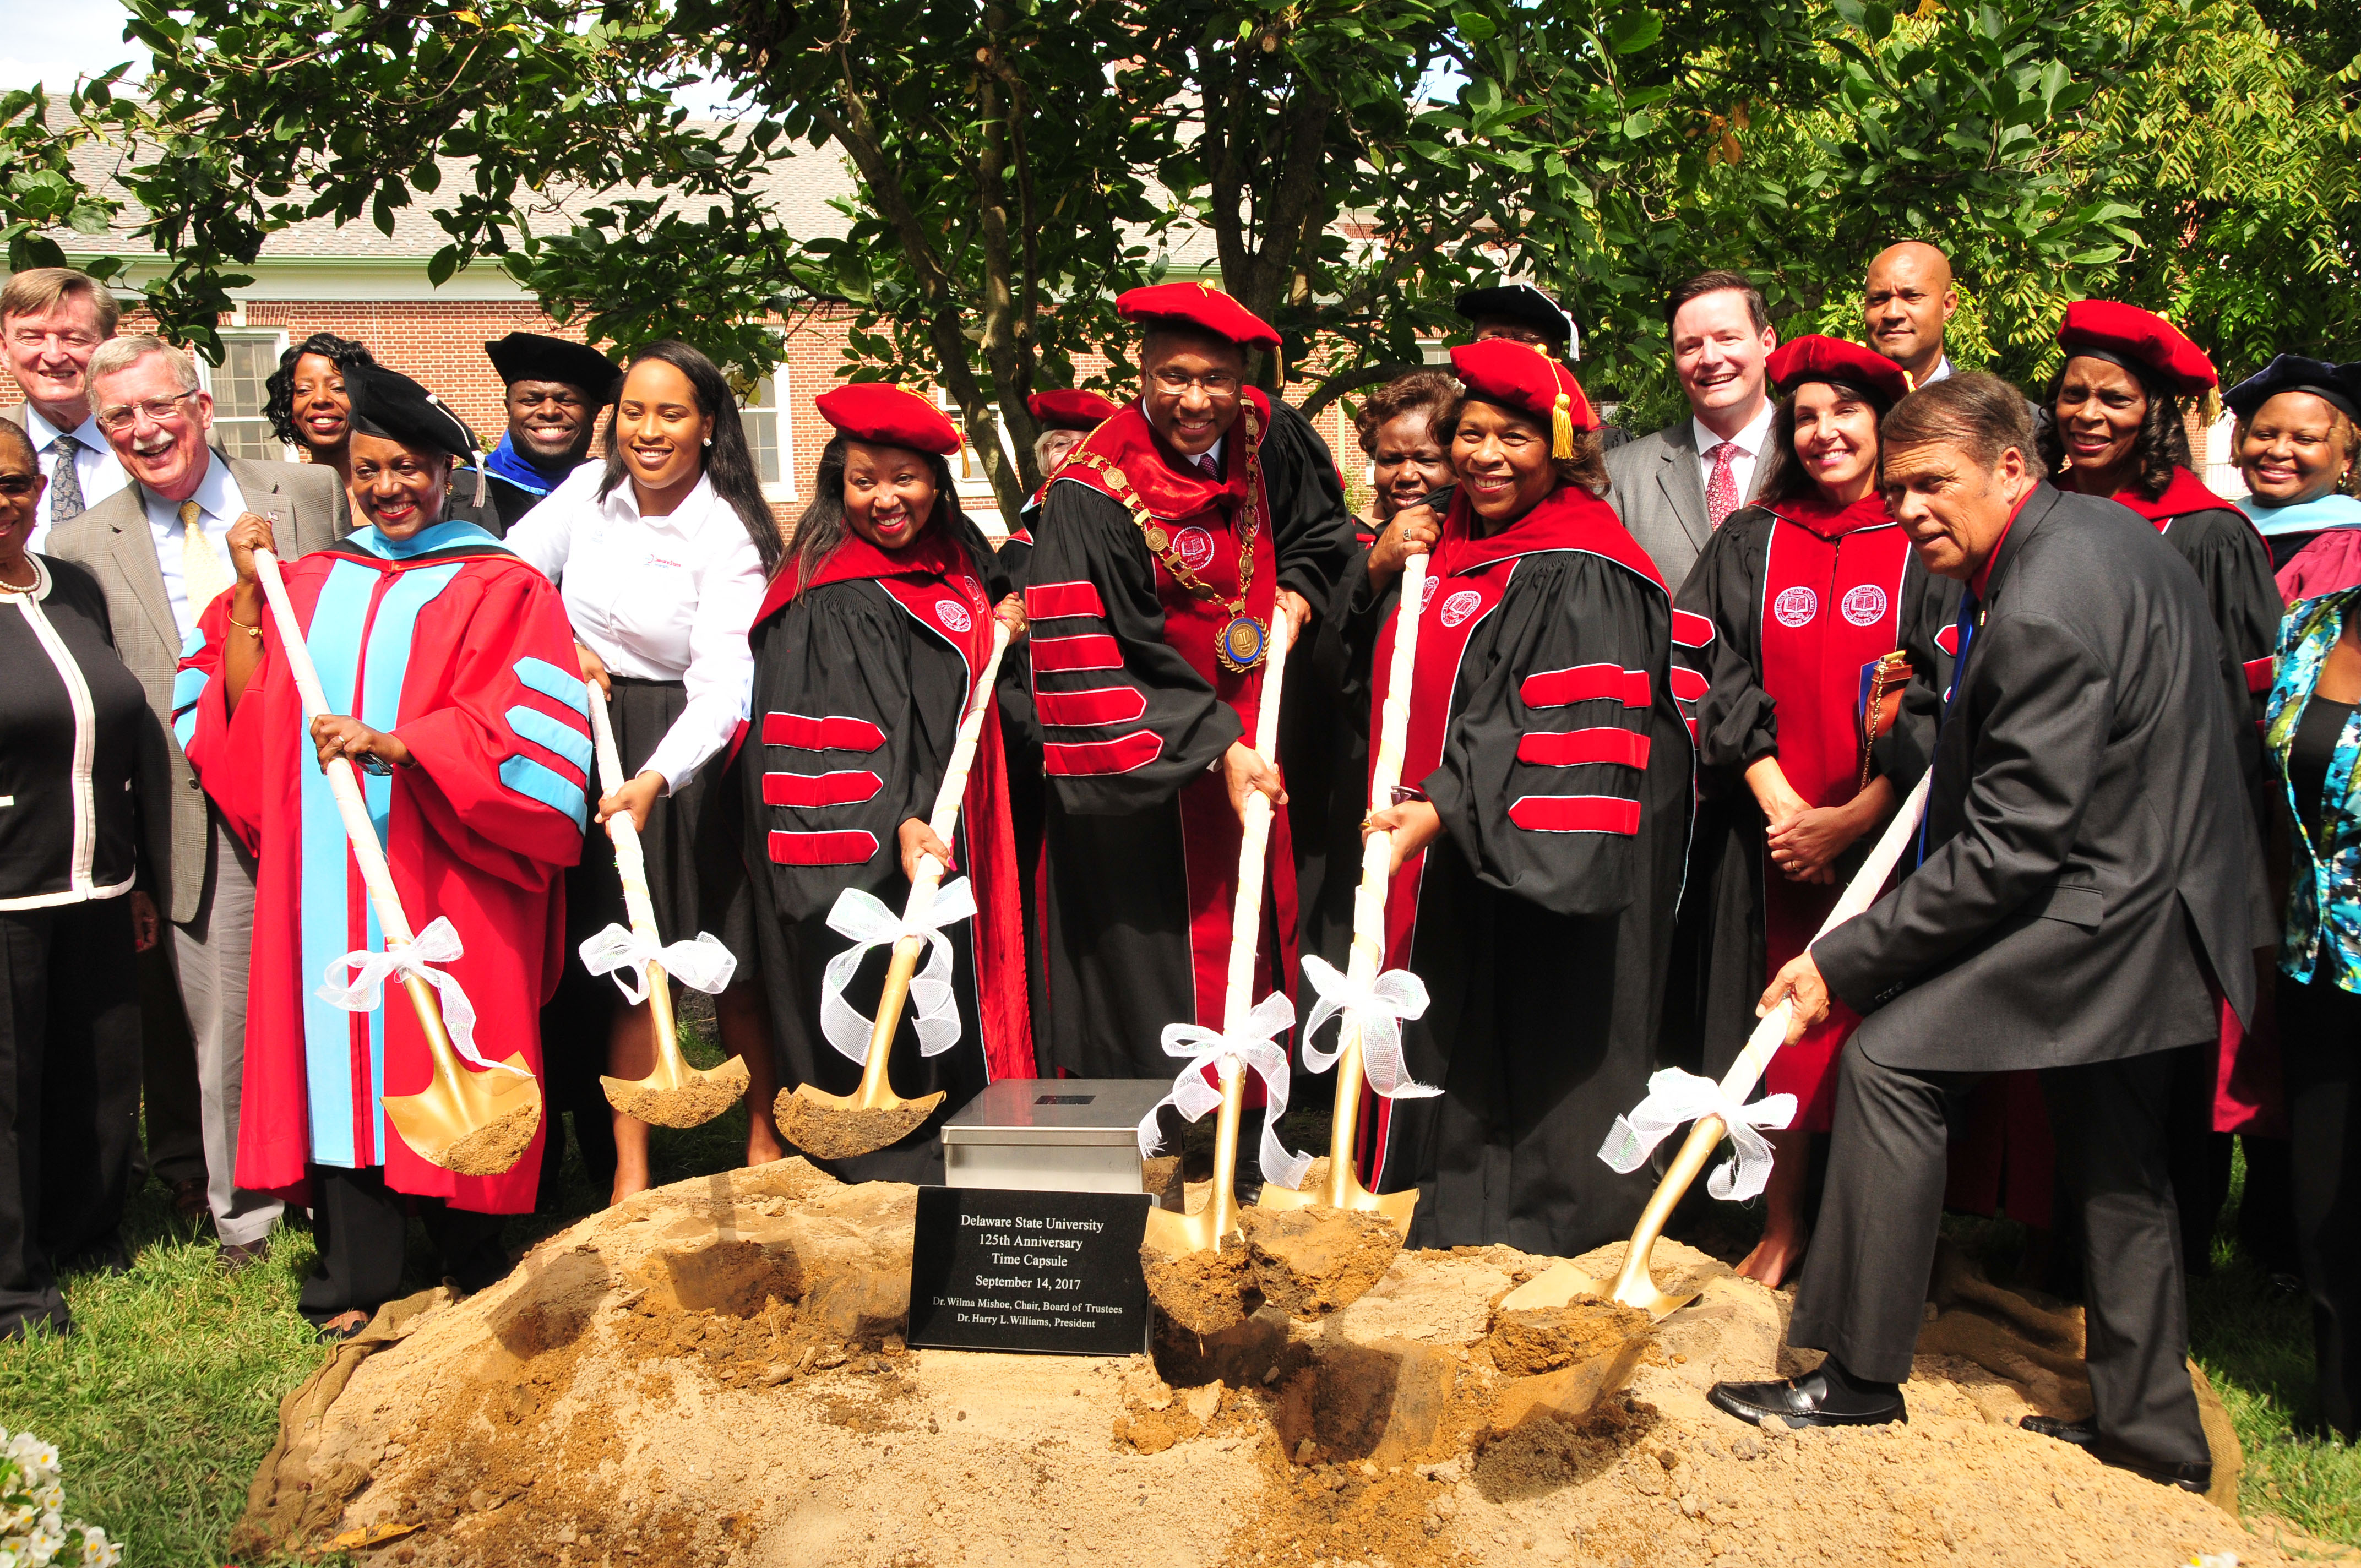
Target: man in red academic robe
point(1171, 541)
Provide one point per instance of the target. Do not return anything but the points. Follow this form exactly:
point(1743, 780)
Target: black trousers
point(1864, 1280)
point(70, 1039)
point(362, 1229)
point(2320, 1052)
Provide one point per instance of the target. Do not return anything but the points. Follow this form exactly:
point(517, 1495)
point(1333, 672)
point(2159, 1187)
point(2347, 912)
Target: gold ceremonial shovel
point(1192, 1279)
point(1634, 1286)
point(838, 1126)
point(674, 1094)
point(474, 1123)
point(1342, 1187)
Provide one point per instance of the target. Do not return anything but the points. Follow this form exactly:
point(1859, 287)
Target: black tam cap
point(389, 404)
point(531, 357)
point(2338, 386)
point(1525, 305)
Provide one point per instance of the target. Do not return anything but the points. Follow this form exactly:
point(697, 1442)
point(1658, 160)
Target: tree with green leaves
point(1343, 166)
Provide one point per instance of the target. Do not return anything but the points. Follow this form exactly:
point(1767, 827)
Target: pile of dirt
point(713, 1373)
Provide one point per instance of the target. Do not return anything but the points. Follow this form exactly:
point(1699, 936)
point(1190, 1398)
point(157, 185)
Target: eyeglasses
point(1215, 384)
point(16, 487)
point(158, 410)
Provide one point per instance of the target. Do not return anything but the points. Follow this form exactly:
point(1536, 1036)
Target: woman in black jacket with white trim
point(84, 815)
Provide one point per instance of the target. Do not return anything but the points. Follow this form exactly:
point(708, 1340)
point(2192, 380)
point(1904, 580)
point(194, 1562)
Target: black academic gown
point(1786, 610)
point(1134, 818)
point(856, 702)
point(1550, 727)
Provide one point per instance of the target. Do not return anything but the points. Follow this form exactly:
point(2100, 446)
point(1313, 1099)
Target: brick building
point(360, 283)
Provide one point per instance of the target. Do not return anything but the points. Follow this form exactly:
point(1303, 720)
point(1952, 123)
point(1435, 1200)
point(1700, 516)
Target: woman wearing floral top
point(2315, 741)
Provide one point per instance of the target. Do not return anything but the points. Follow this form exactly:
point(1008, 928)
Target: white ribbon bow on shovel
point(1675, 1098)
point(702, 963)
point(1256, 1045)
point(870, 924)
point(1381, 1007)
point(438, 943)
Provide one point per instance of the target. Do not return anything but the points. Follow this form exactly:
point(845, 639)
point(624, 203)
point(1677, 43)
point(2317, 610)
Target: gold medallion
point(1158, 539)
point(1114, 478)
point(1243, 641)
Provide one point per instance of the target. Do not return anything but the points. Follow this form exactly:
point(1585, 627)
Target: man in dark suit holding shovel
point(2089, 874)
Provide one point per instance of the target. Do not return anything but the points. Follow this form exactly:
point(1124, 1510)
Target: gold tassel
point(1909, 383)
point(1562, 427)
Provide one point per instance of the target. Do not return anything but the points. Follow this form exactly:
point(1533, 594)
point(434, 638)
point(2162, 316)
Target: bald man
point(1907, 301)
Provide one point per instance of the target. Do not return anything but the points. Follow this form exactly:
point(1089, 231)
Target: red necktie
point(1721, 490)
point(1207, 467)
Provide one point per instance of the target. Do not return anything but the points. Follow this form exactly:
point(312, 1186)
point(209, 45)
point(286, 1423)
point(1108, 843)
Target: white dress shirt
point(1742, 463)
point(1941, 372)
point(217, 493)
point(659, 599)
point(95, 466)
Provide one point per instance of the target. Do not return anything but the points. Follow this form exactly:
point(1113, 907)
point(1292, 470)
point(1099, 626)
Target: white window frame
point(783, 424)
point(976, 496)
point(277, 341)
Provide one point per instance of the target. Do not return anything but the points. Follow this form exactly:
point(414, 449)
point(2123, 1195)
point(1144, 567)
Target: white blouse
point(659, 599)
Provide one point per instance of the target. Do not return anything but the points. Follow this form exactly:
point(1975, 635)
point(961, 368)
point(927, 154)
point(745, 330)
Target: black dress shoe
point(1815, 1399)
point(2081, 1433)
point(2191, 1475)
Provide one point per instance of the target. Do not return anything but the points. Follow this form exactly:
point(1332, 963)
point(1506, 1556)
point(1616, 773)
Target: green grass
point(2254, 1342)
point(166, 1397)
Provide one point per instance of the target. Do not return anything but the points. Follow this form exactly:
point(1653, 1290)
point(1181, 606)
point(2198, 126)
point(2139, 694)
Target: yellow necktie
point(203, 575)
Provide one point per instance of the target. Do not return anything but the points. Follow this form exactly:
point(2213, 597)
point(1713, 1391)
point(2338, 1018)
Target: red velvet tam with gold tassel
point(1520, 376)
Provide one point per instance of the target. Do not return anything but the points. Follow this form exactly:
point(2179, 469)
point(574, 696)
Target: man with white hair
point(158, 548)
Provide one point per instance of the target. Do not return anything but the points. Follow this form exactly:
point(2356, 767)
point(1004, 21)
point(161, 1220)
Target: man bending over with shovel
point(2087, 862)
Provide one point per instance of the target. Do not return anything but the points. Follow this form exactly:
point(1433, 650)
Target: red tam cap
point(884, 413)
point(1203, 306)
point(1519, 376)
point(2140, 341)
point(1817, 358)
point(1069, 409)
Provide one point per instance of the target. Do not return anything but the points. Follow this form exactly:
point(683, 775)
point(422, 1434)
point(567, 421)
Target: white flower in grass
point(52, 1496)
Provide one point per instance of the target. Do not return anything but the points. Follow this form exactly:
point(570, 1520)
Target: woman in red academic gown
point(2112, 425)
point(449, 670)
point(1539, 859)
point(866, 651)
point(1795, 602)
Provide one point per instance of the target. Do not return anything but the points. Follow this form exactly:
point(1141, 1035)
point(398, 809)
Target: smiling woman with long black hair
point(867, 650)
point(661, 552)
point(308, 403)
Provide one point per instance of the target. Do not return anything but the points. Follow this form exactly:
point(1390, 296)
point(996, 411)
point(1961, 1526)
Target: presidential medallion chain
point(1243, 638)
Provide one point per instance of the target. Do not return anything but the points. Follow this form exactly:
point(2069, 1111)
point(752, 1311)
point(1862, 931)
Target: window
point(249, 358)
point(763, 414)
point(974, 485)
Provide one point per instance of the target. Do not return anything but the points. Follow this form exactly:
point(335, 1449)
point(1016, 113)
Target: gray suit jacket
point(1654, 488)
point(2090, 856)
point(112, 541)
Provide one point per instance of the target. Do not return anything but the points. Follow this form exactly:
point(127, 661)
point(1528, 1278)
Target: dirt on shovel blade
point(1205, 1292)
point(490, 1150)
point(1312, 1262)
point(841, 1132)
point(694, 1103)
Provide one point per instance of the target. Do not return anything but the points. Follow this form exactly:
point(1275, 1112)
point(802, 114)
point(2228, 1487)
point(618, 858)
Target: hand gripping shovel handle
point(944, 822)
point(368, 853)
point(1633, 1286)
point(631, 871)
point(1368, 952)
point(1246, 932)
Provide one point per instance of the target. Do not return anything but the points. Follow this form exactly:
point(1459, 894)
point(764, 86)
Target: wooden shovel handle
point(360, 832)
point(943, 824)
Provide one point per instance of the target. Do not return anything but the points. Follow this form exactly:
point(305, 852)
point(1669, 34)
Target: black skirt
point(696, 880)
